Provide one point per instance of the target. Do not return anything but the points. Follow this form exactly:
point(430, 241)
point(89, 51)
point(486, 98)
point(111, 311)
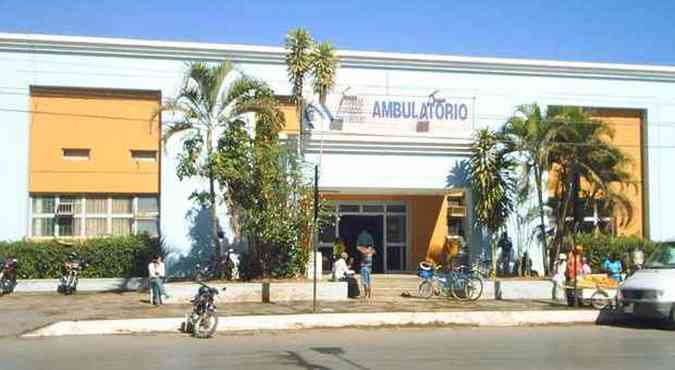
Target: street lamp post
point(314, 238)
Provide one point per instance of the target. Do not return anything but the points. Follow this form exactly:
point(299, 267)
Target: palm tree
point(299, 44)
point(204, 104)
point(528, 136)
point(492, 185)
point(324, 67)
point(589, 171)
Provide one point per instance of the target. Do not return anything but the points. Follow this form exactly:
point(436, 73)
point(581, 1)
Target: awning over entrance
point(393, 174)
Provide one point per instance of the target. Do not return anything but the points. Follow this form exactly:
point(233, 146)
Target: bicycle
point(457, 284)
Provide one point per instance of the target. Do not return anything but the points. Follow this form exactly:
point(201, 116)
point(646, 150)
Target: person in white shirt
point(340, 269)
point(559, 268)
point(156, 275)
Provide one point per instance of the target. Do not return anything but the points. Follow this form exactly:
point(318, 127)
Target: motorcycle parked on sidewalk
point(202, 321)
point(71, 275)
point(8, 275)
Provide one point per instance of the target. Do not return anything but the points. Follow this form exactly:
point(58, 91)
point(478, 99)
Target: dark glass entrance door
point(351, 226)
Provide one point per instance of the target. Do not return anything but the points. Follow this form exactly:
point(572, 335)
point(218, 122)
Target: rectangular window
point(76, 154)
point(396, 229)
point(121, 226)
point(149, 227)
point(96, 226)
point(93, 215)
point(44, 205)
point(346, 208)
point(147, 205)
point(122, 205)
point(97, 206)
point(68, 226)
point(373, 209)
point(396, 209)
point(144, 155)
point(43, 227)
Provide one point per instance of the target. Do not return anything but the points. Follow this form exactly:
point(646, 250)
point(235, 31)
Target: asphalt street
point(572, 347)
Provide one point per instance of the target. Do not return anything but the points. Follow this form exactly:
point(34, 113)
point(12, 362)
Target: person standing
point(574, 269)
point(614, 267)
point(365, 245)
point(155, 275)
point(506, 246)
point(559, 269)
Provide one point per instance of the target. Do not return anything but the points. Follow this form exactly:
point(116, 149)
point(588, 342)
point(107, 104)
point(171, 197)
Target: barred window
point(93, 215)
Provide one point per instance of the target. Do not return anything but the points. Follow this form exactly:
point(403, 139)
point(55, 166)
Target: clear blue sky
point(621, 31)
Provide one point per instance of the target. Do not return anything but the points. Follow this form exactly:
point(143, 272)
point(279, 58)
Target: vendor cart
point(596, 290)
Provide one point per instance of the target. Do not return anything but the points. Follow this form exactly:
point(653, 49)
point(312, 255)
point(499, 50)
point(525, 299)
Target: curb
point(327, 320)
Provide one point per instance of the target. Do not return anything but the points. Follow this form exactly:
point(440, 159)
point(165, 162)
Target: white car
point(650, 292)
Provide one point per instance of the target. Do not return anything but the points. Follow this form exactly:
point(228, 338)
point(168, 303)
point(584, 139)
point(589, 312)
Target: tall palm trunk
point(212, 194)
point(562, 219)
point(538, 178)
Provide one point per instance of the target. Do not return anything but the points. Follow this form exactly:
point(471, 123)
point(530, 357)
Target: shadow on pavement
point(338, 353)
point(621, 320)
point(299, 361)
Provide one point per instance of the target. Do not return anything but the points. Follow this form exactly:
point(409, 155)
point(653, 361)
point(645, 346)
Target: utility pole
point(315, 229)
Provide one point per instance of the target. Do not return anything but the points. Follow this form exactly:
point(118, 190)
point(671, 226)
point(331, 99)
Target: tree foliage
point(324, 68)
point(589, 171)
point(212, 98)
point(269, 192)
point(491, 183)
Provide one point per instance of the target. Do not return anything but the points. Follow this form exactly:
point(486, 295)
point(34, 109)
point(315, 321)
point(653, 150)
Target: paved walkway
point(23, 312)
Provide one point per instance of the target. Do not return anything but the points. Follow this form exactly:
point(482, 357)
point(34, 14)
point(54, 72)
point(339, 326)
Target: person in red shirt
point(574, 268)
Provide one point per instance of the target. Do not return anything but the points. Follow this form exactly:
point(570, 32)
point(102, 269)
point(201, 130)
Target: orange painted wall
point(627, 135)
point(627, 125)
point(291, 125)
point(427, 222)
point(108, 122)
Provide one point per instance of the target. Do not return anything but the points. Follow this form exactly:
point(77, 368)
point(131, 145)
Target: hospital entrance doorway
point(350, 226)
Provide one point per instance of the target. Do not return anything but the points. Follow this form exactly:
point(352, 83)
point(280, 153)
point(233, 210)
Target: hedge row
point(108, 257)
point(598, 247)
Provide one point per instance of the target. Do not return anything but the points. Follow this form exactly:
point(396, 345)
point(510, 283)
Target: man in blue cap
point(365, 245)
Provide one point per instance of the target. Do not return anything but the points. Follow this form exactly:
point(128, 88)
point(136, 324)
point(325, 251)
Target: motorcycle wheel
point(2, 286)
point(68, 289)
point(205, 326)
point(425, 289)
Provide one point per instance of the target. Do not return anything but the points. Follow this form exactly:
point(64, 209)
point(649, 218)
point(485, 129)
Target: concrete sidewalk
point(21, 313)
point(235, 324)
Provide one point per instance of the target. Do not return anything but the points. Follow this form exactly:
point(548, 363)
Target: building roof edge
point(348, 58)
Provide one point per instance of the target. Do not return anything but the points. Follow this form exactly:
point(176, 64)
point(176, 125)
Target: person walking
point(155, 275)
point(559, 269)
point(365, 245)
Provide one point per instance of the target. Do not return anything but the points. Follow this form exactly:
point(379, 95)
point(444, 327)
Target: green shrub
point(108, 257)
point(598, 247)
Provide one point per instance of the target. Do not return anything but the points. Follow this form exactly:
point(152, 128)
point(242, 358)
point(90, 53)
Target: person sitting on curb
point(340, 269)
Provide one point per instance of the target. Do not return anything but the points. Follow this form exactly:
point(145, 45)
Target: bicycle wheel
point(425, 289)
point(473, 288)
point(600, 300)
point(457, 289)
